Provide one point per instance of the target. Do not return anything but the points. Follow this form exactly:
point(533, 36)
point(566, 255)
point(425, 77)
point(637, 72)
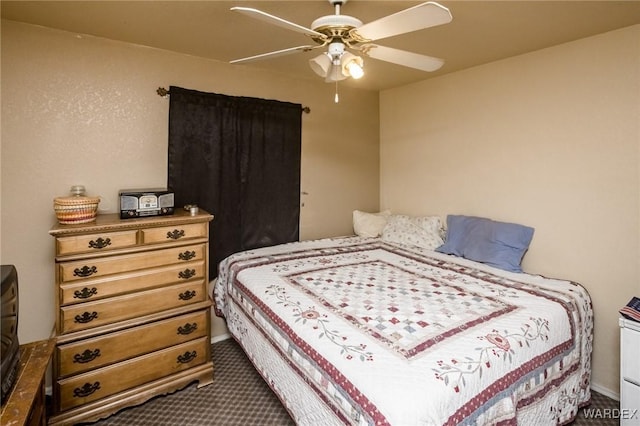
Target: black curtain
point(239, 159)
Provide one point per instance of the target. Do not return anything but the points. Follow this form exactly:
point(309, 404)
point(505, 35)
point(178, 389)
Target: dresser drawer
point(629, 403)
point(100, 267)
point(629, 352)
point(94, 243)
point(88, 354)
point(174, 233)
point(102, 382)
point(107, 311)
point(114, 285)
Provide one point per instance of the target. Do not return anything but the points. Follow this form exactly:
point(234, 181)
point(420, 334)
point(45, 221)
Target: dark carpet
point(240, 397)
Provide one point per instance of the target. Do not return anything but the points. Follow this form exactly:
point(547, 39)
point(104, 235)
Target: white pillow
point(421, 231)
point(369, 224)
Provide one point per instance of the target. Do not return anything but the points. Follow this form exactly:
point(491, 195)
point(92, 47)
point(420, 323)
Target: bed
point(368, 331)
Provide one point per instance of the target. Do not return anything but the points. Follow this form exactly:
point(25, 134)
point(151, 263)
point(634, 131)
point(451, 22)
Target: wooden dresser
point(133, 313)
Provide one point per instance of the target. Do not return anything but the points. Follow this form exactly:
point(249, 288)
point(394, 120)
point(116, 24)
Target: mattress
point(359, 331)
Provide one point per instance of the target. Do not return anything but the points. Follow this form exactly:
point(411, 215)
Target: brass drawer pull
point(187, 295)
point(86, 356)
point(187, 328)
point(187, 255)
point(85, 271)
point(85, 293)
point(186, 274)
point(187, 357)
point(86, 390)
point(86, 317)
point(100, 243)
point(175, 234)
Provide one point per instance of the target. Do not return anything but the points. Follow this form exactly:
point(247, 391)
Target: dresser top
point(112, 221)
point(627, 323)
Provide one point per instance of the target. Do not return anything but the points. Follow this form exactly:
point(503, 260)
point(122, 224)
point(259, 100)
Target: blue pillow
point(498, 244)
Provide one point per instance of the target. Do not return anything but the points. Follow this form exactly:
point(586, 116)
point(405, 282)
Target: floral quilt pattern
point(404, 310)
point(375, 333)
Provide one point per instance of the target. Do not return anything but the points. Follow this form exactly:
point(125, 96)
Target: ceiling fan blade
point(275, 54)
point(402, 57)
point(415, 18)
point(271, 19)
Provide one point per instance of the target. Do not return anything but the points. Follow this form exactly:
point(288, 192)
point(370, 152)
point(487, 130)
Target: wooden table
point(26, 403)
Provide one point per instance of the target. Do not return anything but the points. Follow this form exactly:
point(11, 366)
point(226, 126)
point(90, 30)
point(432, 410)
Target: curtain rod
point(164, 93)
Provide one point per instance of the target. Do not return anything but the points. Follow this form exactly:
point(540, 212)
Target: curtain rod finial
point(162, 92)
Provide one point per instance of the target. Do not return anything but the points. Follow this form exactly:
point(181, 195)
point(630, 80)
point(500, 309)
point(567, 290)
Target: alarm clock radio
point(145, 202)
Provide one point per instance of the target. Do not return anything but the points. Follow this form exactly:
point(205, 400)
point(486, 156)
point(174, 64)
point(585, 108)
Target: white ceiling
point(481, 31)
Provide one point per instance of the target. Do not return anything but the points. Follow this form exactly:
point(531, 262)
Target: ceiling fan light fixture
point(352, 65)
point(321, 64)
point(335, 73)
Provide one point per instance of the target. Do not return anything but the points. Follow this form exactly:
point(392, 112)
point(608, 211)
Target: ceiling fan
point(343, 34)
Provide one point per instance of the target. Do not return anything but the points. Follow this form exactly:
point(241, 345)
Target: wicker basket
point(76, 209)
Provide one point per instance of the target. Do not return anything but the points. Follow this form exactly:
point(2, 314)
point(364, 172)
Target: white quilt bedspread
point(359, 331)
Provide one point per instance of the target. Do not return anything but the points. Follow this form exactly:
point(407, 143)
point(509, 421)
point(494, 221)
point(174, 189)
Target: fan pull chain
point(336, 99)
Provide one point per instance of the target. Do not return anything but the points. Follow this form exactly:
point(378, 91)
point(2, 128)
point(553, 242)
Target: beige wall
point(84, 110)
point(550, 139)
